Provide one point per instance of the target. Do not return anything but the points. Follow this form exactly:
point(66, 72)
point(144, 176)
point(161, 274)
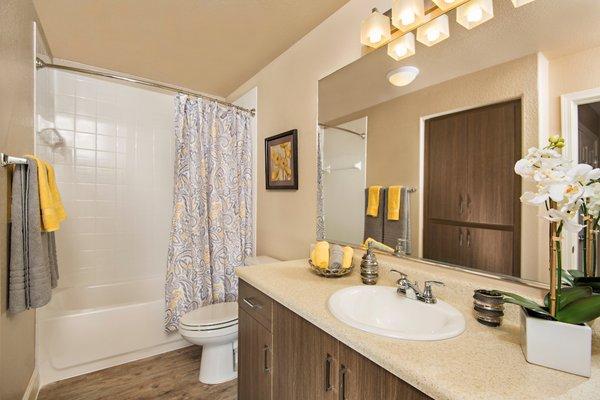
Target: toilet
point(215, 328)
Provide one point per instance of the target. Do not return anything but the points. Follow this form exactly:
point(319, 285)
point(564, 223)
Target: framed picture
point(281, 161)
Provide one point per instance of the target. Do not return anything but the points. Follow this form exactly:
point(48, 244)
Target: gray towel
point(336, 254)
point(394, 230)
point(31, 250)
point(374, 225)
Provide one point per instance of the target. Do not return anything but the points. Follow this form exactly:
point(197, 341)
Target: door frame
point(569, 108)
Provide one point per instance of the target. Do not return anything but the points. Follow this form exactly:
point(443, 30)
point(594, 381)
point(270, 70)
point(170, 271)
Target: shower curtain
point(211, 229)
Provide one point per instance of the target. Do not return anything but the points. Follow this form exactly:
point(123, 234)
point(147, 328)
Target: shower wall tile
point(115, 173)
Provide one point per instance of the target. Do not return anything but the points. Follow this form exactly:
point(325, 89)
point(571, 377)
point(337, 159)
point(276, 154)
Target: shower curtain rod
point(362, 135)
point(39, 63)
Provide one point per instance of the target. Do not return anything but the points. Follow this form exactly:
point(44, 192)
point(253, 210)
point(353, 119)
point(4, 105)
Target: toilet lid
point(213, 314)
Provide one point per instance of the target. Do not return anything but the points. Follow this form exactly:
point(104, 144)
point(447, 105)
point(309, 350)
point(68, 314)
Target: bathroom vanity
point(292, 347)
point(283, 356)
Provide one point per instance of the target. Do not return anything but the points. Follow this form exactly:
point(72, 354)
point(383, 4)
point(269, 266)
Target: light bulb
point(401, 51)
point(433, 34)
point(375, 35)
point(475, 14)
point(408, 17)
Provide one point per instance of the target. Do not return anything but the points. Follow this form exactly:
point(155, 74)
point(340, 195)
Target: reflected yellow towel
point(373, 201)
point(375, 245)
point(393, 203)
point(320, 254)
point(347, 258)
point(51, 207)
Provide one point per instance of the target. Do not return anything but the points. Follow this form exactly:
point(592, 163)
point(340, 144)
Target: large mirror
point(442, 148)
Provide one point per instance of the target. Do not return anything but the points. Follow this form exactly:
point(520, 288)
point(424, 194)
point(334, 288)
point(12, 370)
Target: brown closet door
point(446, 167)
point(445, 243)
point(491, 250)
point(493, 147)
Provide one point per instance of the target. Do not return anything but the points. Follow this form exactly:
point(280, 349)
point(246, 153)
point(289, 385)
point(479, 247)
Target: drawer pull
point(250, 302)
point(328, 362)
point(266, 368)
point(343, 372)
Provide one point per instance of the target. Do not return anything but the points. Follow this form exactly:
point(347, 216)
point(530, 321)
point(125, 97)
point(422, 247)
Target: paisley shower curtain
point(211, 229)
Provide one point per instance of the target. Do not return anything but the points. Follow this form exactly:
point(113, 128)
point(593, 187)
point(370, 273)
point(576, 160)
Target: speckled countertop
point(482, 363)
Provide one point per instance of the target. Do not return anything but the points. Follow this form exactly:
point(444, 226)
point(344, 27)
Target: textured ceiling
point(208, 45)
point(553, 27)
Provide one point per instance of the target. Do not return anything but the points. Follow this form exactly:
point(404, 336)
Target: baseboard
point(33, 387)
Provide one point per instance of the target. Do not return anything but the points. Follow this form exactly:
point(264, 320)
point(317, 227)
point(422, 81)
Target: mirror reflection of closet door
point(445, 152)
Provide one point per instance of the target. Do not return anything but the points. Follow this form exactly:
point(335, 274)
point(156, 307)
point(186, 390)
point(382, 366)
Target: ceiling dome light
point(402, 76)
point(375, 29)
point(445, 5)
point(475, 13)
point(519, 3)
point(434, 31)
point(406, 14)
point(403, 47)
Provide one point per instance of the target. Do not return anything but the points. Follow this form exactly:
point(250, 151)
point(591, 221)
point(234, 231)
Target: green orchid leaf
point(575, 273)
point(593, 282)
point(580, 311)
point(569, 295)
point(523, 302)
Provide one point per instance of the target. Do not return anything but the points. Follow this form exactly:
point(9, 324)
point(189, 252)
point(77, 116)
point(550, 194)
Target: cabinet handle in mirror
point(328, 362)
point(343, 372)
point(468, 238)
point(460, 237)
point(266, 368)
point(251, 303)
point(468, 202)
point(460, 204)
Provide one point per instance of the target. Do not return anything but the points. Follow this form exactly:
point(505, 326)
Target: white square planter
point(552, 344)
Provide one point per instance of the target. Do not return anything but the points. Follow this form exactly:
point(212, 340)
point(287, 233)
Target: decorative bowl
point(328, 273)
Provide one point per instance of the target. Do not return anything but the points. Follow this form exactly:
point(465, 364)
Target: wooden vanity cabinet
point(293, 359)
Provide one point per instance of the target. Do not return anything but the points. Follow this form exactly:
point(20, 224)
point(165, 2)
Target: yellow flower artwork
point(281, 162)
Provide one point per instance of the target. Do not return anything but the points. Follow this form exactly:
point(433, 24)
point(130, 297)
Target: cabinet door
point(446, 167)
point(254, 359)
point(305, 359)
point(445, 243)
point(493, 145)
point(491, 250)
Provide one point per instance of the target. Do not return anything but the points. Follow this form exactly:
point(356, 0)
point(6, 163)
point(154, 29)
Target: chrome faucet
point(411, 290)
point(400, 249)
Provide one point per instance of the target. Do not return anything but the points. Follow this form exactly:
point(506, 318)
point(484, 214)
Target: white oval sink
point(380, 310)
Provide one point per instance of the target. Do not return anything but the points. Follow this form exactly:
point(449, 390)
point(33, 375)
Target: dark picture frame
point(281, 161)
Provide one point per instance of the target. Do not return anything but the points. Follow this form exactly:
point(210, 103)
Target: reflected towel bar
point(5, 160)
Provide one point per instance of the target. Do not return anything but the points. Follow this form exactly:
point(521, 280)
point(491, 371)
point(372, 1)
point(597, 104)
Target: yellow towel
point(347, 258)
point(320, 254)
point(373, 201)
point(51, 208)
point(377, 245)
point(393, 203)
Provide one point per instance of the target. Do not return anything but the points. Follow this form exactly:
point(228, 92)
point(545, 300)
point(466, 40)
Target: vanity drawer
point(256, 303)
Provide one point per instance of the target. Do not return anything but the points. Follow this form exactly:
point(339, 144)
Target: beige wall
point(287, 99)
point(17, 332)
point(394, 132)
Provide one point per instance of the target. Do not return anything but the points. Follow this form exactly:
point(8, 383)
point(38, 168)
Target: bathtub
point(88, 328)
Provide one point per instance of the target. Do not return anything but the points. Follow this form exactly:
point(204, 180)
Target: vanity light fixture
point(475, 13)
point(375, 29)
point(406, 14)
point(434, 31)
point(445, 5)
point(519, 3)
point(403, 47)
point(402, 76)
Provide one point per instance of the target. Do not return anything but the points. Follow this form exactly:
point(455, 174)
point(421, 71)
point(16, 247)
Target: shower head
point(51, 136)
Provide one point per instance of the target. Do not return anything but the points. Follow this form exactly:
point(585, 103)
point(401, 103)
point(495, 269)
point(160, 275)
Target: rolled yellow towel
point(373, 201)
point(320, 256)
point(377, 245)
point(393, 203)
point(347, 258)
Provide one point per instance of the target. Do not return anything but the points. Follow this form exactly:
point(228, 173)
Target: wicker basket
point(327, 273)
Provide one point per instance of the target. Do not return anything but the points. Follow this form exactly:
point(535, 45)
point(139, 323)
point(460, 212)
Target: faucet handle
point(402, 274)
point(428, 296)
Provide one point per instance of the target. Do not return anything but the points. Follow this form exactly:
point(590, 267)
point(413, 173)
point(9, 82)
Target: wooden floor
point(169, 376)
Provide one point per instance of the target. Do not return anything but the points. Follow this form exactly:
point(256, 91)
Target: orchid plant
point(568, 192)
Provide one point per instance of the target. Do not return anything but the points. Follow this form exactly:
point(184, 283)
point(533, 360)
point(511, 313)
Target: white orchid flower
point(584, 173)
point(570, 223)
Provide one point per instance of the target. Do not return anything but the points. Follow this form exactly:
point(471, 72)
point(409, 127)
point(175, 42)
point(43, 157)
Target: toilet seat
point(214, 317)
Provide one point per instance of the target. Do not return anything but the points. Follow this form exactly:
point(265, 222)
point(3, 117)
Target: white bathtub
point(88, 328)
